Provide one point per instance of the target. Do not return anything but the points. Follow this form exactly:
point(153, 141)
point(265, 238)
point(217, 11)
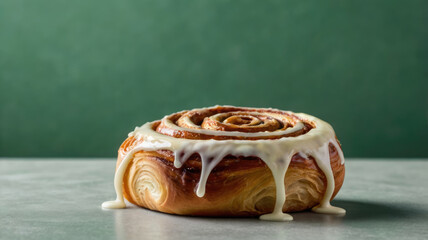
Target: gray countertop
point(60, 199)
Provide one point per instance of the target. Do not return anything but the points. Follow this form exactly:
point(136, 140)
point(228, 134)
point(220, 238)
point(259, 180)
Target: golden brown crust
point(237, 186)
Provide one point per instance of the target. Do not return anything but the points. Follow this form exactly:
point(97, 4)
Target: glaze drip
point(276, 153)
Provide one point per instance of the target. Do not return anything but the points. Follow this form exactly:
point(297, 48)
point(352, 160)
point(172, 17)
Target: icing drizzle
point(276, 154)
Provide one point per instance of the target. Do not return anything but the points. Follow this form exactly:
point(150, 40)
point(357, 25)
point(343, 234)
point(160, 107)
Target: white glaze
point(276, 154)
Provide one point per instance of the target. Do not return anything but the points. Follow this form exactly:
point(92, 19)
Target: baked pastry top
point(231, 161)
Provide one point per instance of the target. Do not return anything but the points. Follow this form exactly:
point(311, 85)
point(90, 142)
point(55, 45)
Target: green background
point(77, 76)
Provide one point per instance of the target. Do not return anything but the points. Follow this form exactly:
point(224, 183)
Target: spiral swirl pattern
point(224, 123)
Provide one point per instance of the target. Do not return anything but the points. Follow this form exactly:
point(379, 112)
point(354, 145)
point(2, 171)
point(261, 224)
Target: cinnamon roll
point(231, 161)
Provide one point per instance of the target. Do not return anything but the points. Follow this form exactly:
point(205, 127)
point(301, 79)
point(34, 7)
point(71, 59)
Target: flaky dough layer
point(237, 186)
